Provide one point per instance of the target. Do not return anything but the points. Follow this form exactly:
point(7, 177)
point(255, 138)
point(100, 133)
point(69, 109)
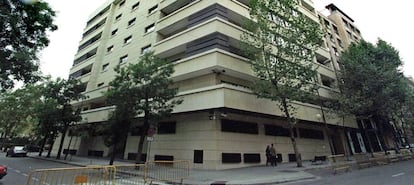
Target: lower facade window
point(230, 157)
point(239, 127)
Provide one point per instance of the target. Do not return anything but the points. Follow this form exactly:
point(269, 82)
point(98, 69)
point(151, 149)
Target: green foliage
point(280, 44)
point(372, 83)
point(59, 93)
point(23, 33)
point(17, 111)
point(141, 88)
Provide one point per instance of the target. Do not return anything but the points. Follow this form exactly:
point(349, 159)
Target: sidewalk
point(285, 172)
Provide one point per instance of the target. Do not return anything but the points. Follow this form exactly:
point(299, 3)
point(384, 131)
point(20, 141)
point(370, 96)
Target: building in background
point(221, 123)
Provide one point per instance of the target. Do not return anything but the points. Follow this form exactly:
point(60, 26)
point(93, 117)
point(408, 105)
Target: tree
point(63, 92)
point(23, 33)
point(47, 114)
point(371, 83)
point(280, 43)
point(142, 88)
point(17, 111)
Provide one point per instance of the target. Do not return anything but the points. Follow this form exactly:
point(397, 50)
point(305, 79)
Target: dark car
point(3, 171)
point(16, 151)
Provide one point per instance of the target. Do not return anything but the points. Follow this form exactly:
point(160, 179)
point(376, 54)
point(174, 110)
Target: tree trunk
point(368, 139)
point(51, 146)
point(142, 139)
point(331, 145)
point(345, 140)
point(404, 132)
point(113, 154)
point(67, 152)
point(144, 130)
point(61, 142)
point(292, 135)
point(42, 146)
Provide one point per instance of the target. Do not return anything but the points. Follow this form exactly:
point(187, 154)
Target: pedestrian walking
point(268, 155)
point(273, 155)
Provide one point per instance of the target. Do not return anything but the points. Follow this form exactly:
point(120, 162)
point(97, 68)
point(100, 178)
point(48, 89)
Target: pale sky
point(388, 20)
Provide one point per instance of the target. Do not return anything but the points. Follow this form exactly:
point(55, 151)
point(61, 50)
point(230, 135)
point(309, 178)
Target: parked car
point(3, 171)
point(16, 151)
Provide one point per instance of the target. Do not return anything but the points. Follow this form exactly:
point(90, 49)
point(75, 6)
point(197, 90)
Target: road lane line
point(17, 171)
point(398, 174)
point(24, 174)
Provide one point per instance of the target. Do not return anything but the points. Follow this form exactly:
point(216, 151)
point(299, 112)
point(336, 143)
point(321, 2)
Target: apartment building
point(220, 124)
point(341, 32)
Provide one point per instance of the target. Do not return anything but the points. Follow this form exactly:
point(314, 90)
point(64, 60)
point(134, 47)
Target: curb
point(56, 161)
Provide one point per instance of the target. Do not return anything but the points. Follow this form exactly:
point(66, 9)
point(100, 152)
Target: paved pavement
point(283, 173)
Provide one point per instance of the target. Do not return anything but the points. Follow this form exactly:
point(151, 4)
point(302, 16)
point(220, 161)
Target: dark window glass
point(135, 6)
point(198, 156)
point(239, 126)
point(164, 158)
point(251, 158)
point(273, 130)
point(153, 9)
point(230, 157)
point(311, 134)
point(166, 127)
point(135, 131)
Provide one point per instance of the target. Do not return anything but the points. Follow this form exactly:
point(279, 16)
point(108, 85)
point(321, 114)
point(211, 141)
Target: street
point(20, 167)
point(400, 173)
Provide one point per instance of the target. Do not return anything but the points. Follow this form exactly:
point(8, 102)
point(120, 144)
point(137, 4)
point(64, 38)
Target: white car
point(16, 151)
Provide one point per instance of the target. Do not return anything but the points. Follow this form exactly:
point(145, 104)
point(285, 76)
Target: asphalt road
point(400, 173)
point(20, 167)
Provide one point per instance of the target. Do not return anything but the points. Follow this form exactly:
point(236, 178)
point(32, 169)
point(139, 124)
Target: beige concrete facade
point(213, 81)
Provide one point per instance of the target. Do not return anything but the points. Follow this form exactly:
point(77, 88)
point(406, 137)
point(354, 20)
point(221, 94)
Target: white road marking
point(24, 174)
point(398, 174)
point(17, 171)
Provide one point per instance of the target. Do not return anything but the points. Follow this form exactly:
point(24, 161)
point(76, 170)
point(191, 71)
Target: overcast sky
point(388, 20)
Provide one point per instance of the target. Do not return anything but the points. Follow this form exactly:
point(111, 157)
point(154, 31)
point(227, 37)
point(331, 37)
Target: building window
point(132, 21)
point(340, 43)
point(311, 134)
point(123, 59)
point(251, 158)
point(198, 156)
point(149, 28)
point(239, 127)
point(135, 6)
point(327, 81)
point(230, 157)
point(335, 51)
point(118, 17)
point(336, 30)
point(128, 39)
point(114, 32)
point(110, 49)
point(153, 9)
point(145, 49)
point(273, 130)
point(105, 67)
point(167, 127)
point(121, 3)
point(100, 84)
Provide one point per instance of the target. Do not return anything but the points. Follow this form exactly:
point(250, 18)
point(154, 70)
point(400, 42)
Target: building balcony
point(177, 44)
point(239, 98)
point(214, 61)
point(196, 12)
point(97, 115)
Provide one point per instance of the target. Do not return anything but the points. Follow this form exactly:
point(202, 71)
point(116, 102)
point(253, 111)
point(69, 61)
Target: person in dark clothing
point(268, 155)
point(273, 155)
